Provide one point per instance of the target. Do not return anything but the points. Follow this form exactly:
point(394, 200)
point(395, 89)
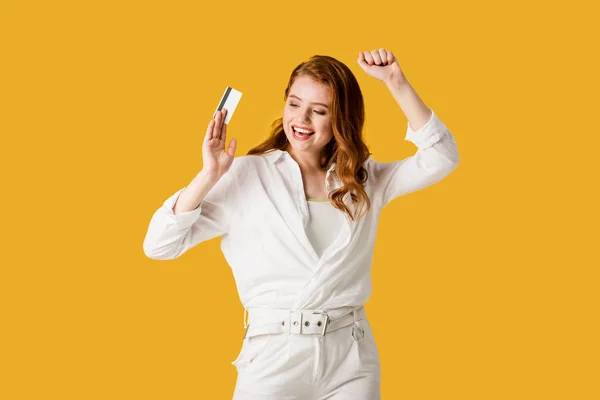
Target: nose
point(306, 115)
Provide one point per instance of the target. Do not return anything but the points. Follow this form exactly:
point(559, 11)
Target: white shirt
point(324, 224)
point(260, 209)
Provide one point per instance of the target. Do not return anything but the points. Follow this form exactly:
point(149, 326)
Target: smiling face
point(308, 106)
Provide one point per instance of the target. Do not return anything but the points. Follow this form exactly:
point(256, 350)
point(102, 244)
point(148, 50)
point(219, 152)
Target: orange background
point(485, 284)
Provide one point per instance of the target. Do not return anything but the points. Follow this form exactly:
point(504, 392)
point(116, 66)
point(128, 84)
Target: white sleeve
point(170, 235)
point(435, 158)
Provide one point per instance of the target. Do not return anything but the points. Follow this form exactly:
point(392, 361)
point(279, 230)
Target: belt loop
point(356, 326)
point(287, 323)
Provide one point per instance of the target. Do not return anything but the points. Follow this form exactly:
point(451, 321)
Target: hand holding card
point(229, 100)
point(215, 160)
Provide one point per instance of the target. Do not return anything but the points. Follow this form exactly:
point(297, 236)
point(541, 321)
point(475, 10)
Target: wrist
point(208, 177)
point(398, 82)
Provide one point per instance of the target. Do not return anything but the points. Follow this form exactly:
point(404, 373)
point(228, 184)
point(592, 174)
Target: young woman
point(298, 217)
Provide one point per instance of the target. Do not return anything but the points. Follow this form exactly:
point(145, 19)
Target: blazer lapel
point(291, 212)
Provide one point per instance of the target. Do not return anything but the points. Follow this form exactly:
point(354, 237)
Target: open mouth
point(302, 134)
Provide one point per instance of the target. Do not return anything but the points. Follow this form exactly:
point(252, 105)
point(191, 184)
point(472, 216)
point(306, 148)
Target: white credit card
point(230, 100)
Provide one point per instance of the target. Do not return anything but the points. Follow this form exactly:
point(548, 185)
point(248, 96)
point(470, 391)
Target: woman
point(298, 216)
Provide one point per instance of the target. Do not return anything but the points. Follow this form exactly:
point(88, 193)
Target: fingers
point(219, 124)
point(383, 56)
point(216, 126)
point(361, 60)
point(390, 57)
point(209, 130)
point(376, 57)
point(231, 148)
point(223, 133)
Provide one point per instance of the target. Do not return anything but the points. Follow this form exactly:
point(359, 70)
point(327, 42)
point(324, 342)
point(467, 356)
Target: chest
point(314, 186)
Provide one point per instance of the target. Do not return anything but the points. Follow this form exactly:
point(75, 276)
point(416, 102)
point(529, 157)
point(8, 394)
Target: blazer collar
point(276, 154)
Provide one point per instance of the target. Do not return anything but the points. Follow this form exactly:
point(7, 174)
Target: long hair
point(347, 148)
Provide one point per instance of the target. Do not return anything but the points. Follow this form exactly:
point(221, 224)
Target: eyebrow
point(321, 104)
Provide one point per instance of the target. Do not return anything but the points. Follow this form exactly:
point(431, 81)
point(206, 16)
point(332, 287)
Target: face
point(308, 106)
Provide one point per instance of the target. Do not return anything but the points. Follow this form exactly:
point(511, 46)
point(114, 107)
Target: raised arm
point(435, 158)
point(436, 155)
point(170, 235)
point(203, 209)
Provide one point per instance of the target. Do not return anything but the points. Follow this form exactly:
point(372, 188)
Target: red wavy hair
point(347, 147)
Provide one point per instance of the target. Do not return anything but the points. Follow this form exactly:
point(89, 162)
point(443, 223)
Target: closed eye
point(318, 112)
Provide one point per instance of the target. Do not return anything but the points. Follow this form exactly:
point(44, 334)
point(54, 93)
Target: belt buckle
point(324, 325)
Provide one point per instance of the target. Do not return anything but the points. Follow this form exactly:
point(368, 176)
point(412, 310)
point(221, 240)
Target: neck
point(308, 162)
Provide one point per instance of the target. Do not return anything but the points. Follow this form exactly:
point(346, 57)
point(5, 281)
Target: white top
point(259, 208)
point(324, 224)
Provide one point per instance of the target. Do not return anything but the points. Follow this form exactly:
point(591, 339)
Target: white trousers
point(334, 366)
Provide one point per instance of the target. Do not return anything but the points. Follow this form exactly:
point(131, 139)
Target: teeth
point(302, 130)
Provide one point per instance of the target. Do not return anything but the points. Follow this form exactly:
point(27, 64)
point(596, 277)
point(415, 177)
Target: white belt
point(263, 321)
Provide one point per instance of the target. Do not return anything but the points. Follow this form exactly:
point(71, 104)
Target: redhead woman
point(297, 217)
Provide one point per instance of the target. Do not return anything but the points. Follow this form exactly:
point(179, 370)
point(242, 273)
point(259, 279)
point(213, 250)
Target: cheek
point(329, 134)
point(285, 121)
point(326, 127)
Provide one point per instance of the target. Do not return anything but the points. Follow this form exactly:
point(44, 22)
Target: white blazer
point(260, 209)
